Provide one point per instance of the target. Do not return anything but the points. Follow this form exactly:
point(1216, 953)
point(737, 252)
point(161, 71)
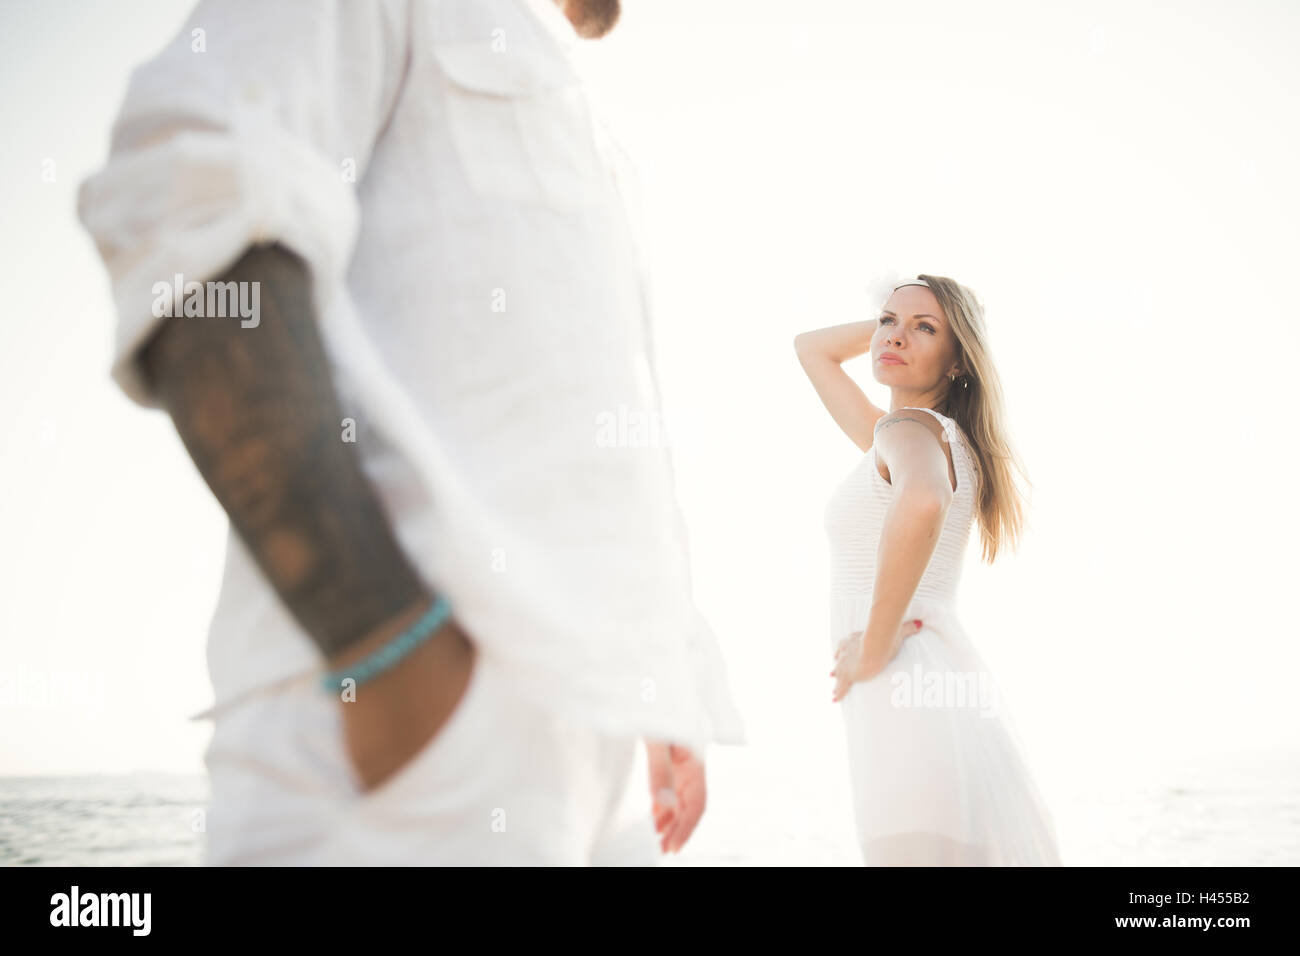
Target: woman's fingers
point(908, 628)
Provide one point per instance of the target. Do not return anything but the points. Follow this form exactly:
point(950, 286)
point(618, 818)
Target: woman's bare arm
point(821, 353)
point(918, 469)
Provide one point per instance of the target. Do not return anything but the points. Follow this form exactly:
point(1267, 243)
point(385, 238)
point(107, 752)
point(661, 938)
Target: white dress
point(934, 757)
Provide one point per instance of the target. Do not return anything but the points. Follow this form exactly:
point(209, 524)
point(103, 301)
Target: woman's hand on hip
point(853, 664)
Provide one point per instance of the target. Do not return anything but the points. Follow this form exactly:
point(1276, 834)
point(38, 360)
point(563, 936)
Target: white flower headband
point(883, 284)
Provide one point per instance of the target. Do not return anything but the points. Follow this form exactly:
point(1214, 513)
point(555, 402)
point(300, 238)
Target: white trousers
point(501, 783)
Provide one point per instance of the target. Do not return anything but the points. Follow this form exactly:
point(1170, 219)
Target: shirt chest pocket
point(521, 127)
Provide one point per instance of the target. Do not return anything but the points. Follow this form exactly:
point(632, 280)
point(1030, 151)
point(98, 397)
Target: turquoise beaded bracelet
point(392, 652)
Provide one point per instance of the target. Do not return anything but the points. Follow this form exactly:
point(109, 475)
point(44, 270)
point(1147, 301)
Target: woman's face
point(914, 348)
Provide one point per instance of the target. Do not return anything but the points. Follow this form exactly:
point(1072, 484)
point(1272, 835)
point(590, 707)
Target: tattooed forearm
point(257, 411)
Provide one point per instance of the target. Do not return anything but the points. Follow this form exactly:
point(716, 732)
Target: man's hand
point(852, 664)
point(399, 712)
point(679, 790)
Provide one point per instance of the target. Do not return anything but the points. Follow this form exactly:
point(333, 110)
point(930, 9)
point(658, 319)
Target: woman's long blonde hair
point(975, 402)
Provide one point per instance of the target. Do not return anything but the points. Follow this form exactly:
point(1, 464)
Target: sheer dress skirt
point(936, 763)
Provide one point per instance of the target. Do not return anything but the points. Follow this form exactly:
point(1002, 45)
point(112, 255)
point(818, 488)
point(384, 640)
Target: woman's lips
point(886, 360)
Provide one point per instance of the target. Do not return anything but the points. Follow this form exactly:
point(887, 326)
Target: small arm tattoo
point(257, 411)
point(887, 421)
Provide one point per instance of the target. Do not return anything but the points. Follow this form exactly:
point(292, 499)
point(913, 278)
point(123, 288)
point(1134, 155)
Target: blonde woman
point(935, 761)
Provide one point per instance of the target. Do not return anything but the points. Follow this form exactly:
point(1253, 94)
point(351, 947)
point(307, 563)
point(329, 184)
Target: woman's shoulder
point(944, 428)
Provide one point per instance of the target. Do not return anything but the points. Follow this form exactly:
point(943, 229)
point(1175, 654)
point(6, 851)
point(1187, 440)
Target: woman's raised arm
point(821, 352)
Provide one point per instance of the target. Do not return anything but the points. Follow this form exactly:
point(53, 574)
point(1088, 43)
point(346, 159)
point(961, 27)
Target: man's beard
point(592, 18)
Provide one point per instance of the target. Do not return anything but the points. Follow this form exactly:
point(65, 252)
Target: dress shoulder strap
point(962, 456)
point(949, 426)
point(953, 435)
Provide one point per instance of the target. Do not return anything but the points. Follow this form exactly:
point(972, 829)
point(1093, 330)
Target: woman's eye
point(925, 325)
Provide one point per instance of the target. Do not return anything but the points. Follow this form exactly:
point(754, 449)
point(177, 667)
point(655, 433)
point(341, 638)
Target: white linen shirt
point(472, 231)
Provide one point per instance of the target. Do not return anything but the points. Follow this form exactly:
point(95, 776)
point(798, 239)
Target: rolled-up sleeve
point(254, 124)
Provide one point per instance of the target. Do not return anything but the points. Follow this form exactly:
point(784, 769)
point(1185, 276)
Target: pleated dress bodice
point(854, 517)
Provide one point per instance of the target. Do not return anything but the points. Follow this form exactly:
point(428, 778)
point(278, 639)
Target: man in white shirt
point(415, 391)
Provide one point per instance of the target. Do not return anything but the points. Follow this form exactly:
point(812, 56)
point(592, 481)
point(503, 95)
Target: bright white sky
point(1117, 182)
